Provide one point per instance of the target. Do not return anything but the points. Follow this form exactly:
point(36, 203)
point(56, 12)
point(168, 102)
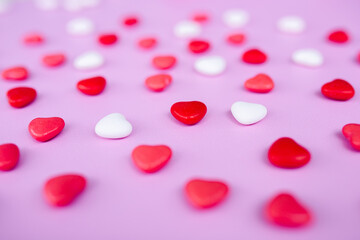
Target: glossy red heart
point(9, 156)
point(189, 113)
point(44, 129)
point(285, 210)
point(15, 73)
point(151, 158)
point(131, 21)
point(200, 17)
point(286, 153)
point(54, 60)
point(92, 86)
point(62, 190)
point(204, 193)
point(236, 38)
point(33, 39)
point(158, 82)
point(261, 83)
point(338, 36)
point(198, 46)
point(352, 132)
point(254, 56)
point(164, 62)
point(147, 43)
point(338, 90)
point(21, 96)
point(107, 39)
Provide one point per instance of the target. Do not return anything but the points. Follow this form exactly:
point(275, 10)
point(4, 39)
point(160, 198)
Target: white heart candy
point(210, 65)
point(113, 125)
point(308, 57)
point(80, 26)
point(291, 24)
point(248, 113)
point(88, 60)
point(236, 18)
point(187, 29)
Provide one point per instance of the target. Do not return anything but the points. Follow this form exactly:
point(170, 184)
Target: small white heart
point(187, 29)
point(236, 18)
point(248, 113)
point(291, 24)
point(80, 26)
point(308, 57)
point(210, 65)
point(88, 60)
point(113, 126)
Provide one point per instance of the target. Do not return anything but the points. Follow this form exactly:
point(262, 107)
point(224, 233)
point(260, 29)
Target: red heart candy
point(9, 156)
point(261, 83)
point(131, 21)
point(15, 73)
point(338, 36)
point(236, 38)
point(33, 39)
point(63, 189)
point(92, 86)
point(338, 90)
point(200, 17)
point(147, 43)
point(358, 57)
point(204, 193)
point(198, 46)
point(254, 56)
point(352, 132)
point(108, 39)
point(44, 129)
point(189, 113)
point(151, 158)
point(164, 62)
point(158, 82)
point(285, 210)
point(286, 153)
point(21, 96)
point(54, 60)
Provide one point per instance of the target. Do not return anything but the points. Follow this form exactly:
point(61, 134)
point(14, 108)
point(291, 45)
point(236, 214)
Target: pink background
point(122, 203)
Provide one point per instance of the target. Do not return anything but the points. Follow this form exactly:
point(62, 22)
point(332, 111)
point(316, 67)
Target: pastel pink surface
point(118, 198)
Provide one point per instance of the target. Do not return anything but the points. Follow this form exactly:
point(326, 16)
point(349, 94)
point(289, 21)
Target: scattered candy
point(44, 129)
point(190, 112)
point(113, 126)
point(198, 46)
point(9, 156)
point(64, 189)
point(248, 113)
point(291, 24)
point(164, 62)
point(131, 21)
point(151, 159)
point(352, 133)
point(210, 65)
point(92, 86)
point(308, 57)
point(261, 83)
point(107, 39)
point(339, 36)
point(254, 56)
point(187, 29)
point(235, 18)
point(54, 60)
point(285, 210)
point(33, 39)
point(21, 96)
point(158, 82)
point(15, 73)
point(80, 27)
point(89, 60)
point(338, 90)
point(147, 43)
point(236, 38)
point(200, 17)
point(204, 193)
point(286, 153)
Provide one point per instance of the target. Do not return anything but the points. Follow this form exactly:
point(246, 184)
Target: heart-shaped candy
point(130, 21)
point(80, 26)
point(113, 126)
point(338, 90)
point(33, 39)
point(9, 156)
point(187, 29)
point(261, 83)
point(147, 43)
point(286, 153)
point(210, 65)
point(89, 60)
point(158, 82)
point(92, 86)
point(291, 24)
point(338, 36)
point(15, 73)
point(44, 129)
point(188, 113)
point(248, 113)
point(62, 190)
point(164, 62)
point(308, 57)
point(151, 158)
point(54, 60)
point(198, 46)
point(352, 133)
point(254, 56)
point(107, 39)
point(236, 38)
point(21, 96)
point(235, 18)
point(285, 210)
point(200, 17)
point(206, 193)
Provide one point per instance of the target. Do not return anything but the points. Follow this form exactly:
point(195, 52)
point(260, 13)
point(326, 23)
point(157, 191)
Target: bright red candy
point(33, 39)
point(9, 156)
point(204, 193)
point(236, 38)
point(62, 190)
point(338, 90)
point(21, 96)
point(200, 17)
point(158, 82)
point(254, 56)
point(261, 83)
point(189, 113)
point(131, 21)
point(92, 86)
point(151, 158)
point(285, 210)
point(352, 133)
point(53, 60)
point(164, 62)
point(338, 36)
point(15, 73)
point(108, 39)
point(44, 129)
point(358, 57)
point(147, 43)
point(286, 153)
point(198, 46)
